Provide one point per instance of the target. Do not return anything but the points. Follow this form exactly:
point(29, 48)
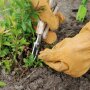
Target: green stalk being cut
point(82, 11)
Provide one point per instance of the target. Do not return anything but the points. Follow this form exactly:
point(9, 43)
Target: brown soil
point(45, 78)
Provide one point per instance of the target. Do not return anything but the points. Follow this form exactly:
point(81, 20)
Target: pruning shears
point(39, 32)
point(42, 31)
point(82, 11)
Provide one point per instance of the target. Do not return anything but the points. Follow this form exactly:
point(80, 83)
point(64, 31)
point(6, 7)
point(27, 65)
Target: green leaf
point(18, 3)
point(23, 26)
point(29, 61)
point(4, 52)
point(23, 41)
point(7, 65)
point(6, 43)
point(2, 84)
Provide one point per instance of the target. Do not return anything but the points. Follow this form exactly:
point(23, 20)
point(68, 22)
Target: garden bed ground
point(43, 78)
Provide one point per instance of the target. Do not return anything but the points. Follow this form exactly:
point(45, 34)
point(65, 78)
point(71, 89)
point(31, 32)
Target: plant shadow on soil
point(44, 78)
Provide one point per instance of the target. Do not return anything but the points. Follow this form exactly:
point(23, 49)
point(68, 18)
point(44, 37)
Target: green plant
point(30, 61)
point(4, 42)
point(6, 65)
point(19, 14)
point(18, 19)
point(17, 43)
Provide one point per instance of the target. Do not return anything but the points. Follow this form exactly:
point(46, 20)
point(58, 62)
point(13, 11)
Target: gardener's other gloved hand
point(72, 55)
point(48, 17)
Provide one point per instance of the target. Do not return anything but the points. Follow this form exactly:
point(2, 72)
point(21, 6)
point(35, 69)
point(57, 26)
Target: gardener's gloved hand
point(72, 55)
point(48, 17)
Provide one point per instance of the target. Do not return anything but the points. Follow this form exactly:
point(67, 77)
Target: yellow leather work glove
point(48, 17)
point(71, 55)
